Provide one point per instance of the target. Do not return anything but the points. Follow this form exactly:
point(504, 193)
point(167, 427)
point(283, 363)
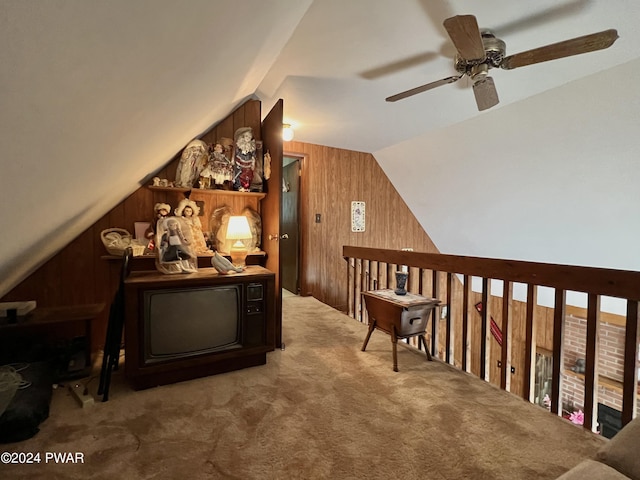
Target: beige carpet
point(319, 409)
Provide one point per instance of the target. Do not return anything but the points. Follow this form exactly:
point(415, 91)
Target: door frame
point(303, 219)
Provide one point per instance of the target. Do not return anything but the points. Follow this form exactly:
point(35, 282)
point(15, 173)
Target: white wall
point(554, 178)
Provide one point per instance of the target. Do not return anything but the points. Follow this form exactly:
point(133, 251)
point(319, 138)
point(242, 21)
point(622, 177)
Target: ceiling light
point(287, 132)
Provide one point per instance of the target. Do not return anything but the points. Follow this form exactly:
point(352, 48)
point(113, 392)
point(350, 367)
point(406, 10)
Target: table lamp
point(237, 231)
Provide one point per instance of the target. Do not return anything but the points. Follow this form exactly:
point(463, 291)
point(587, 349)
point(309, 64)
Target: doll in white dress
point(189, 211)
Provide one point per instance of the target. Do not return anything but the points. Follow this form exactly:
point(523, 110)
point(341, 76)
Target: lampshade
point(287, 132)
point(238, 230)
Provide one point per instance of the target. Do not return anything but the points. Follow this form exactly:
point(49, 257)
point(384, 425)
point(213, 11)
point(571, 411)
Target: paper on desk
point(22, 308)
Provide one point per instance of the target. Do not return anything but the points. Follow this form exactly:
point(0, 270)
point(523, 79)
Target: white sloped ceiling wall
point(97, 95)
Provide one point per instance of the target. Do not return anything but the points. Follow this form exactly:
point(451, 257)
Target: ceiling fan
point(480, 50)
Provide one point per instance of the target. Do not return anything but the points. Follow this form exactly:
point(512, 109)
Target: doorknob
point(276, 237)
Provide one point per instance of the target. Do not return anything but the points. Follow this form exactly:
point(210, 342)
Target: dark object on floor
point(30, 405)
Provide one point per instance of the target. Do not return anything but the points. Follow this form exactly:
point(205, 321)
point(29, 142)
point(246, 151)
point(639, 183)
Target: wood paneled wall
point(79, 274)
point(331, 179)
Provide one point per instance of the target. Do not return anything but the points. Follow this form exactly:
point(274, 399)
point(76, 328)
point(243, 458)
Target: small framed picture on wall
point(357, 217)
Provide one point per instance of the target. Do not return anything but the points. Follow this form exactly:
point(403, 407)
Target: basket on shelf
point(138, 248)
point(116, 240)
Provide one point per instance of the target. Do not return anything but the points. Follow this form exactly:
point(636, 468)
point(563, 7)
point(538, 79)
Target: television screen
point(184, 322)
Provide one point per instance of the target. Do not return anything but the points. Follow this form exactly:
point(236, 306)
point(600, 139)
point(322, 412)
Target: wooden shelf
point(148, 262)
point(206, 191)
point(259, 253)
point(168, 189)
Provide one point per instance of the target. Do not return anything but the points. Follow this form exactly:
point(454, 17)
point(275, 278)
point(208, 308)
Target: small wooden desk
point(401, 316)
point(47, 318)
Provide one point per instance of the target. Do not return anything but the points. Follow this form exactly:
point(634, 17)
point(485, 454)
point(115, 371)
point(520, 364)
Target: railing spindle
point(358, 289)
point(530, 344)
point(591, 364)
point(505, 352)
point(435, 293)
point(351, 262)
point(449, 333)
point(466, 345)
point(484, 340)
point(630, 386)
point(558, 338)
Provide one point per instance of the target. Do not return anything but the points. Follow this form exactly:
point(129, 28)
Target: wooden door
point(290, 228)
point(272, 143)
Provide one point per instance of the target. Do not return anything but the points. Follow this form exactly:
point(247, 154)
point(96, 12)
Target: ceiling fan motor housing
point(494, 50)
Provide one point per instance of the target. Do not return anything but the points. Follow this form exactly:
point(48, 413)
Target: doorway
point(290, 225)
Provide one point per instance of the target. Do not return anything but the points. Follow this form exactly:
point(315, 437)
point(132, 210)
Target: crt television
point(191, 321)
point(180, 327)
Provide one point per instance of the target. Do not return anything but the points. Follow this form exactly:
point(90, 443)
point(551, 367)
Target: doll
point(189, 211)
point(192, 162)
point(244, 159)
point(160, 210)
point(173, 243)
point(221, 166)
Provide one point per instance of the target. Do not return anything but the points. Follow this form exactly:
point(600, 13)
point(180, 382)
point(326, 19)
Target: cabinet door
point(272, 143)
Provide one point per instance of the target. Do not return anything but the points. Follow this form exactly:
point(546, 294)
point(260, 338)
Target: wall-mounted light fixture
point(287, 132)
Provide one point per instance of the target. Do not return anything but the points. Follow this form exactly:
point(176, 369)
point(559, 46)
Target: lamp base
point(238, 255)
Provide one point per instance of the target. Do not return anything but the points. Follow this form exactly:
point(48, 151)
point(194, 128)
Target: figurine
point(173, 242)
point(206, 176)
point(189, 211)
point(244, 159)
point(222, 265)
point(175, 254)
point(192, 161)
point(221, 166)
point(160, 210)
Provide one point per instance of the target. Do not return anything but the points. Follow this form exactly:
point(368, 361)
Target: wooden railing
point(449, 278)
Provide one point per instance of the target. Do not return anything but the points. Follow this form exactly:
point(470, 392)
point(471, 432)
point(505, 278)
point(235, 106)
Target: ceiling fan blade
point(423, 88)
point(485, 93)
point(465, 35)
point(567, 48)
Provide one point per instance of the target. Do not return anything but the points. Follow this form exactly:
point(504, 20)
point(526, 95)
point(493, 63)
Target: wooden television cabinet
point(184, 326)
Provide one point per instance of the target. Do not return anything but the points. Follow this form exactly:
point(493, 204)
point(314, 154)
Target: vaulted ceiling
point(96, 95)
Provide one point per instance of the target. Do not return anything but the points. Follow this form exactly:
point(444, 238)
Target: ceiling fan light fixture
point(485, 92)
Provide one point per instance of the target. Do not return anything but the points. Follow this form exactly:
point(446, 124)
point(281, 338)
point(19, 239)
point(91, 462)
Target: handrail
point(601, 281)
point(449, 277)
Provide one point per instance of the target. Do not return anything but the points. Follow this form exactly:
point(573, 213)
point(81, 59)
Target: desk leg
point(394, 344)
point(87, 346)
point(372, 327)
point(422, 340)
